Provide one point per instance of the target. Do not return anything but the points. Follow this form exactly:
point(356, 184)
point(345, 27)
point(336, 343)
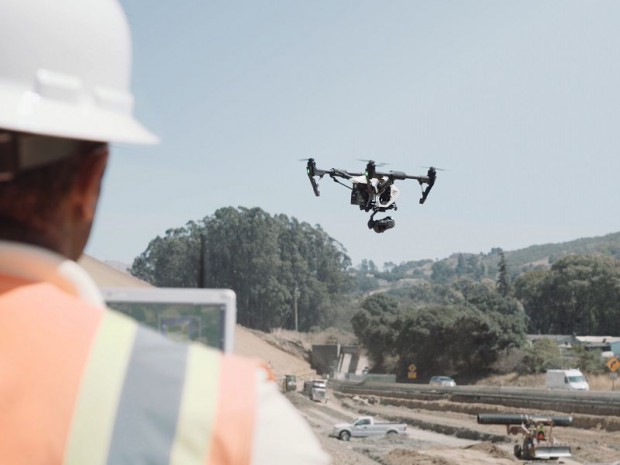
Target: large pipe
point(518, 418)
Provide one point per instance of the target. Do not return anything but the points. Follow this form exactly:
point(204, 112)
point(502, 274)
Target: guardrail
point(584, 402)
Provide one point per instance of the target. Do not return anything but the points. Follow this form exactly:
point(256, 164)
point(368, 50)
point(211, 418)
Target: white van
point(569, 380)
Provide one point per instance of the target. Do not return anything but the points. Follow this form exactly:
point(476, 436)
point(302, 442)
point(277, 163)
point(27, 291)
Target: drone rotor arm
point(429, 180)
point(431, 177)
point(315, 185)
point(312, 171)
point(337, 181)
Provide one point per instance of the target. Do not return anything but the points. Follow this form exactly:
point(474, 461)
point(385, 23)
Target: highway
point(582, 402)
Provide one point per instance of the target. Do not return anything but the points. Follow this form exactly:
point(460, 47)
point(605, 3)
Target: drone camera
point(381, 225)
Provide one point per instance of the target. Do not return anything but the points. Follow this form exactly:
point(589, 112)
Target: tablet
point(182, 314)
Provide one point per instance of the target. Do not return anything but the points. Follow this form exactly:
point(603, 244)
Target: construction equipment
point(537, 431)
point(289, 383)
point(316, 390)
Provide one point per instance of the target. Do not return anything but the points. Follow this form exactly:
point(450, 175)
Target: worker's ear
point(88, 183)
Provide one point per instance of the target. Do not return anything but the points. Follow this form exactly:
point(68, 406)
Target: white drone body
point(379, 190)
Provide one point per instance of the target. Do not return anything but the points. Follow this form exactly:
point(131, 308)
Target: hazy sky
point(518, 100)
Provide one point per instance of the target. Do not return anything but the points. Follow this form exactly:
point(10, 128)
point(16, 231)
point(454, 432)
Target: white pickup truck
point(366, 426)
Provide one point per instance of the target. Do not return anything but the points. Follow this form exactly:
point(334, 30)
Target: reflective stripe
point(197, 413)
point(104, 390)
point(95, 413)
point(146, 399)
point(149, 405)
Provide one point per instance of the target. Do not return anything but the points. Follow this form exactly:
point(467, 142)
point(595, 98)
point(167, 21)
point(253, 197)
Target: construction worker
point(80, 384)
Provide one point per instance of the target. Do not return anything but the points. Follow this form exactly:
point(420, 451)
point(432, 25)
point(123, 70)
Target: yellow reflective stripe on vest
point(102, 383)
point(146, 399)
point(197, 411)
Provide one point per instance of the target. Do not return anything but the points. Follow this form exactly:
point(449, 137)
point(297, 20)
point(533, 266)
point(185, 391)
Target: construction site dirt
point(439, 432)
point(445, 434)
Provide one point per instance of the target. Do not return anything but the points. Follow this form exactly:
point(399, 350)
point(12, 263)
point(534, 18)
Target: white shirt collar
point(37, 264)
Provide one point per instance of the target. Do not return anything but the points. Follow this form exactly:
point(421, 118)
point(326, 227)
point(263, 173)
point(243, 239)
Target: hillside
point(283, 360)
point(608, 245)
point(485, 264)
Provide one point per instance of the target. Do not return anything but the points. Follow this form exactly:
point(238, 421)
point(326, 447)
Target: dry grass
point(307, 340)
point(603, 383)
point(596, 382)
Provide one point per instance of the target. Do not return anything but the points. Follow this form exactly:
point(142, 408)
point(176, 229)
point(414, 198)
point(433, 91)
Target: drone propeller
point(434, 168)
point(372, 161)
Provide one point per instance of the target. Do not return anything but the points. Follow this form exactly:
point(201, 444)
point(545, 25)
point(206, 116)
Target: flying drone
point(372, 190)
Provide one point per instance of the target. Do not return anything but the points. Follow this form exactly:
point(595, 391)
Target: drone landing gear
point(381, 225)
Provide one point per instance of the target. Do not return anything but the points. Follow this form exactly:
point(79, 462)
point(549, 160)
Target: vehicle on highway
point(364, 427)
point(444, 381)
point(569, 380)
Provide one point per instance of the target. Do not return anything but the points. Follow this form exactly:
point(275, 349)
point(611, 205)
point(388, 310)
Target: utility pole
point(201, 264)
point(295, 297)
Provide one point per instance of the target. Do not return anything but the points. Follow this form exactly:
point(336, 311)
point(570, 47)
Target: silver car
point(444, 381)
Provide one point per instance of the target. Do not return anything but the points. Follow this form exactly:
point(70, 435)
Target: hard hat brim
point(29, 112)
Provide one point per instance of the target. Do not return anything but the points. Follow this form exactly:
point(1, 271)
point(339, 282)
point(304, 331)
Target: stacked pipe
point(518, 418)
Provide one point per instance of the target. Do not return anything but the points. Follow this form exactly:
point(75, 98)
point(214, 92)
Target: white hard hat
point(65, 70)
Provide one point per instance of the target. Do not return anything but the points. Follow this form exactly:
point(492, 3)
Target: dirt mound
point(252, 344)
point(407, 457)
point(492, 449)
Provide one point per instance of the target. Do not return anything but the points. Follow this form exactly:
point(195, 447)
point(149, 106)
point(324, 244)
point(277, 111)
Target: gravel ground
point(426, 443)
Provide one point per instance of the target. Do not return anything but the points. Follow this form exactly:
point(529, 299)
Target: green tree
point(503, 279)
point(274, 265)
point(541, 355)
point(529, 290)
point(580, 294)
point(465, 331)
point(376, 326)
point(442, 272)
point(425, 340)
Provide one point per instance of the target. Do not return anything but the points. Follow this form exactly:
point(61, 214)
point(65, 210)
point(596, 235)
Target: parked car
point(444, 381)
point(366, 426)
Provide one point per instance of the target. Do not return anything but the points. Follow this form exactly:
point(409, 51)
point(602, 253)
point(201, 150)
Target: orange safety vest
point(82, 385)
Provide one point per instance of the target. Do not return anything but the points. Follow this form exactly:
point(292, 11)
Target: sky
point(517, 101)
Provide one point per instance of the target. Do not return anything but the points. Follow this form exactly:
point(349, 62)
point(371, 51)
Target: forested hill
point(608, 245)
point(483, 265)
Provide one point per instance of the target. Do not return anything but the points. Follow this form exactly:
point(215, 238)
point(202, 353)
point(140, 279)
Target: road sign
point(613, 364)
point(412, 373)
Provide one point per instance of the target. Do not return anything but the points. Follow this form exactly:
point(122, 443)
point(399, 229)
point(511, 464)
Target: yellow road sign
point(613, 364)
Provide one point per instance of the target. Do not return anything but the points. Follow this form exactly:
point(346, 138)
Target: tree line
point(462, 327)
point(285, 273)
point(458, 317)
point(579, 294)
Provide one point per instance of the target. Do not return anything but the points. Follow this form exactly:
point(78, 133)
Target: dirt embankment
point(591, 443)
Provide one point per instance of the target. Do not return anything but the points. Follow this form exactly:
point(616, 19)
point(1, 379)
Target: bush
point(588, 361)
point(540, 356)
